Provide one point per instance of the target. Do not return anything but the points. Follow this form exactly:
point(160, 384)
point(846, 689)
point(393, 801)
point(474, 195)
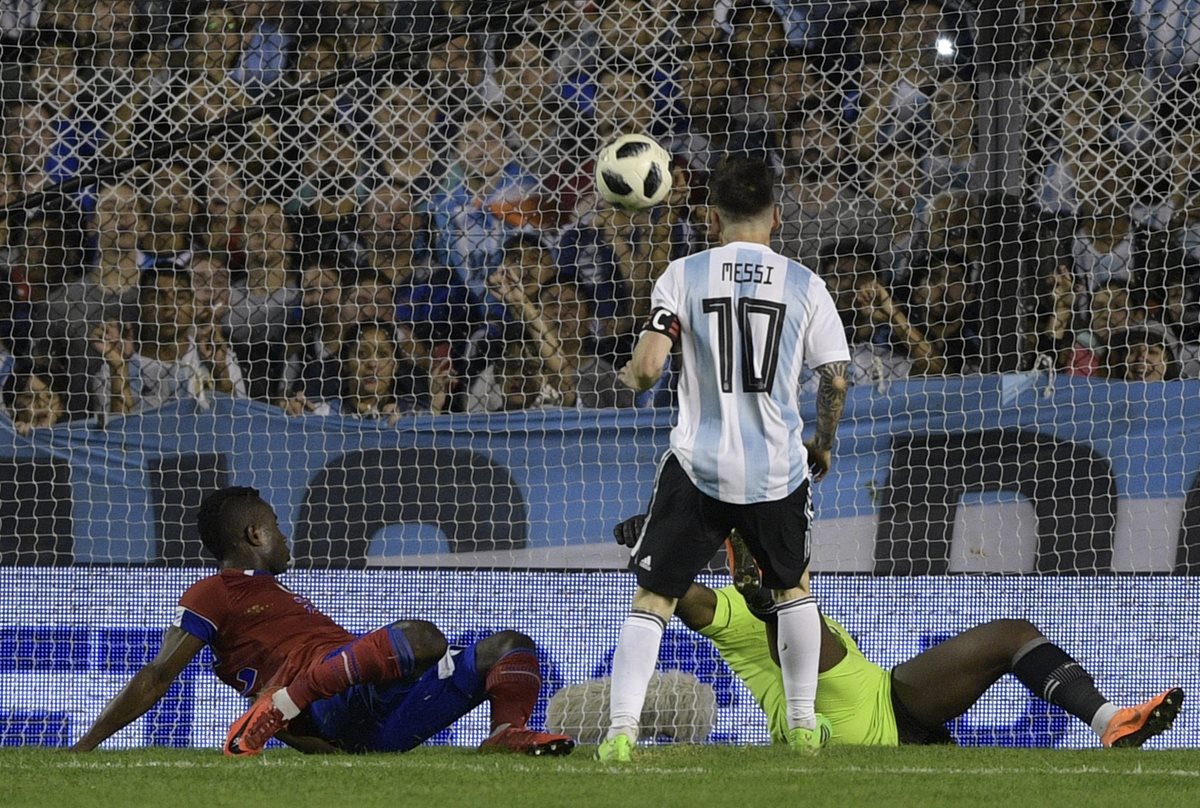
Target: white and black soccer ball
point(633, 172)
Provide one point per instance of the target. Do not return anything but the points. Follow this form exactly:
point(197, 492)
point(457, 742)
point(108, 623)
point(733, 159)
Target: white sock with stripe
point(633, 665)
point(799, 653)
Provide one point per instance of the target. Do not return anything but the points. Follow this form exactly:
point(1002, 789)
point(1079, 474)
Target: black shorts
point(685, 527)
point(910, 731)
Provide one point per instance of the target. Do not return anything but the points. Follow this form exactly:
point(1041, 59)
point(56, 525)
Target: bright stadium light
point(945, 47)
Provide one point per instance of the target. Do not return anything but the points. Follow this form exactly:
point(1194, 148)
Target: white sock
point(1102, 717)
point(633, 665)
point(799, 653)
point(283, 702)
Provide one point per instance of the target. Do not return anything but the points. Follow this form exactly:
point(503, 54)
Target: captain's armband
point(663, 322)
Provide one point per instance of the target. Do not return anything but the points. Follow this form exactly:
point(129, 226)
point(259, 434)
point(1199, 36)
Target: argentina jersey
point(749, 319)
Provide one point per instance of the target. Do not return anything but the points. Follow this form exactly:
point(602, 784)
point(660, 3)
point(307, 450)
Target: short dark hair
point(742, 187)
point(224, 515)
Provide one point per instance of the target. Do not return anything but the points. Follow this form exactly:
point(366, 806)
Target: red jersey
point(261, 632)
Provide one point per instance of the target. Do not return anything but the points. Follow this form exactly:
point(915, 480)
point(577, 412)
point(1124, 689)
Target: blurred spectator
point(389, 226)
point(266, 44)
point(532, 107)
point(330, 185)
point(225, 203)
point(950, 159)
point(371, 297)
point(75, 136)
point(623, 104)
point(71, 312)
point(705, 81)
point(159, 360)
point(1104, 245)
point(700, 22)
point(52, 255)
point(546, 365)
point(572, 28)
point(943, 305)
point(214, 46)
point(210, 290)
point(314, 62)
point(32, 399)
point(1171, 29)
point(142, 106)
point(1174, 301)
point(884, 344)
point(1054, 314)
point(314, 370)
point(377, 381)
point(403, 121)
point(260, 306)
point(28, 140)
point(592, 377)
point(1088, 109)
point(756, 32)
point(1112, 308)
point(955, 223)
point(794, 85)
point(171, 213)
point(894, 183)
point(634, 32)
point(1145, 354)
point(818, 204)
point(457, 77)
point(1183, 195)
point(643, 243)
point(487, 196)
point(897, 78)
point(399, 285)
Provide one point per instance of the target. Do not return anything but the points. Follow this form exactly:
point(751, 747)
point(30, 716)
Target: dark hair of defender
point(223, 517)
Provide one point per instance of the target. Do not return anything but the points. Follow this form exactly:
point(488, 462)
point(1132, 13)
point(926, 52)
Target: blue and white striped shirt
point(749, 318)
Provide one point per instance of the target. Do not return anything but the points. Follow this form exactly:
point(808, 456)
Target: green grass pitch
point(663, 777)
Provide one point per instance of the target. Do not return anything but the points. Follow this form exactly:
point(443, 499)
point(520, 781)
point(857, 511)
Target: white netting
point(350, 253)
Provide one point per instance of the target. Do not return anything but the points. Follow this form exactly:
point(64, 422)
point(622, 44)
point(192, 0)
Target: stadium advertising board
point(70, 638)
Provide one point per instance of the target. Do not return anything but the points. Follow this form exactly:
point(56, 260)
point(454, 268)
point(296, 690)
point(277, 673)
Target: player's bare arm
point(145, 688)
point(831, 400)
point(644, 369)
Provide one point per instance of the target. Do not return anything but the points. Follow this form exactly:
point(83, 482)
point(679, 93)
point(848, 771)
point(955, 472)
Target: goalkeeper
point(910, 704)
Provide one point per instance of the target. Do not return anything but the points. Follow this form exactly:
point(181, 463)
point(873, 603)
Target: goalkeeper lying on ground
point(910, 704)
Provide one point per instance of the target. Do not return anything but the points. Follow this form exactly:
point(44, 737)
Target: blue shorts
point(398, 716)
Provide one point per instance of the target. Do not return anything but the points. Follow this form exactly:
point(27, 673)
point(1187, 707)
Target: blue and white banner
point(980, 474)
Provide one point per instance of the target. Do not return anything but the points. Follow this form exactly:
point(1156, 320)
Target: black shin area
point(1051, 673)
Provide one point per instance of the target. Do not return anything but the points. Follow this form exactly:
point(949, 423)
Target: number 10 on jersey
point(759, 346)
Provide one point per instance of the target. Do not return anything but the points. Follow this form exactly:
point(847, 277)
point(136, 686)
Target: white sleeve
point(666, 294)
point(100, 390)
point(235, 375)
point(824, 338)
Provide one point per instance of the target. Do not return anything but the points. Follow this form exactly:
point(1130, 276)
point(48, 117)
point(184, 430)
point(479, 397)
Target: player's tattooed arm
point(831, 399)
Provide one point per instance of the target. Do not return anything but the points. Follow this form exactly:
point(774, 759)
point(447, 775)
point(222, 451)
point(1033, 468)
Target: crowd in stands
point(423, 235)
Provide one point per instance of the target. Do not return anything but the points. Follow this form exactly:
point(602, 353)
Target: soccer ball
point(633, 172)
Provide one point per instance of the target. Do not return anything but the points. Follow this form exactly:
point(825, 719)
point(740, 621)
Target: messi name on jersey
point(746, 273)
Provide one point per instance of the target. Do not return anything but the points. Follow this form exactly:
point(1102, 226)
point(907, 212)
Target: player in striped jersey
point(745, 319)
point(869, 705)
point(318, 687)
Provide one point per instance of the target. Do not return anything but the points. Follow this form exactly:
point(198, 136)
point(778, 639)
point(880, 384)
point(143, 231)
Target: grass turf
point(663, 777)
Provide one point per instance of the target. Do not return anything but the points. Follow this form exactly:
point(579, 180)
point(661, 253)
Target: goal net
point(350, 253)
